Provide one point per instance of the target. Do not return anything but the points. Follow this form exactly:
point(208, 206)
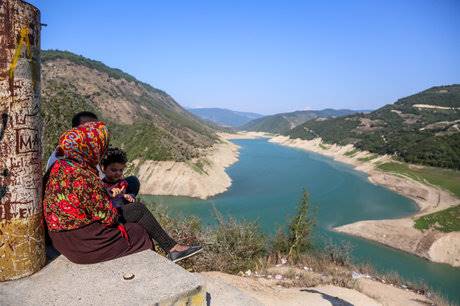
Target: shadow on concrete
point(51, 253)
point(335, 301)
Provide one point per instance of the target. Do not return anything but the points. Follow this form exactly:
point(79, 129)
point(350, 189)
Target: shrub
point(230, 247)
point(234, 246)
point(297, 240)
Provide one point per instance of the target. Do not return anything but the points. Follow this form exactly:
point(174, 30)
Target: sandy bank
point(245, 135)
point(199, 178)
point(268, 292)
point(398, 233)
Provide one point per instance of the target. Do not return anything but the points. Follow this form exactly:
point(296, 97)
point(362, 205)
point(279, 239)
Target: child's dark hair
point(114, 155)
point(83, 117)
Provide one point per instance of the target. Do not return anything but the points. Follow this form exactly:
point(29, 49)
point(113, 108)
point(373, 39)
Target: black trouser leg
point(138, 213)
point(133, 185)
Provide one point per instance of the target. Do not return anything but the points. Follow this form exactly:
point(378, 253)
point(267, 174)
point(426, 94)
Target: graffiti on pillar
point(27, 140)
point(21, 223)
point(20, 130)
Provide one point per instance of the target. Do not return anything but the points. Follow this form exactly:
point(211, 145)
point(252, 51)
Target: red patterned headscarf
point(85, 144)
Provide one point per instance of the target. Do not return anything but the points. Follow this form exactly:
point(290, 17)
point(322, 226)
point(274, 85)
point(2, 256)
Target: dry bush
point(230, 247)
point(439, 300)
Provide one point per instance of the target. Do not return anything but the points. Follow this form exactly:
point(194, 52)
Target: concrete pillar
point(22, 248)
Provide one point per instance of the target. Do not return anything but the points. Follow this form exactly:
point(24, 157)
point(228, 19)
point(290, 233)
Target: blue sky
point(267, 56)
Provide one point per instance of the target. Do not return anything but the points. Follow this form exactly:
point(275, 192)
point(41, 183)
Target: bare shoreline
point(181, 179)
point(396, 233)
point(199, 178)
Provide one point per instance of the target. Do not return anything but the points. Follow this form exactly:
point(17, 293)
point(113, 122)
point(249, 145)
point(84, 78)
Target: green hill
point(423, 128)
point(224, 117)
point(145, 121)
point(283, 123)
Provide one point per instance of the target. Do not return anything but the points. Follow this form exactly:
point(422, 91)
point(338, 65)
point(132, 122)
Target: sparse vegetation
point(351, 153)
point(368, 158)
point(50, 55)
point(443, 178)
point(199, 165)
point(447, 220)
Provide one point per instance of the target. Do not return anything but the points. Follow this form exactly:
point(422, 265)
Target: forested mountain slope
point(284, 122)
point(224, 117)
point(145, 121)
point(423, 128)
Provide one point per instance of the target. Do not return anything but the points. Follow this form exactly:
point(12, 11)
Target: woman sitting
point(82, 223)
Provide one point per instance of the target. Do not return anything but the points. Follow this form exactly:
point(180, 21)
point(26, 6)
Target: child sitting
point(113, 165)
point(123, 191)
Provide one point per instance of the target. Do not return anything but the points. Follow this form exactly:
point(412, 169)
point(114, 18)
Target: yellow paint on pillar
point(23, 39)
point(22, 247)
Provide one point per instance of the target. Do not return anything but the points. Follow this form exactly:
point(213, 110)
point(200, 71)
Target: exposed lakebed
point(267, 183)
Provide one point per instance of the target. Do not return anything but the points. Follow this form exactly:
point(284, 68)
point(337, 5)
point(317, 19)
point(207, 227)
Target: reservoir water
point(267, 183)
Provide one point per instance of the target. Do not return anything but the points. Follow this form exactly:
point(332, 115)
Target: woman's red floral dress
point(76, 198)
point(74, 194)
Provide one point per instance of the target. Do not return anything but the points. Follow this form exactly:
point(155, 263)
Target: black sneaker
point(192, 250)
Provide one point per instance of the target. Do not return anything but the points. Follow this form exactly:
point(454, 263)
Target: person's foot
point(179, 252)
point(179, 248)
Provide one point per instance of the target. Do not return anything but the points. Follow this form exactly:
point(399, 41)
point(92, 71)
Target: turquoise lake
point(267, 183)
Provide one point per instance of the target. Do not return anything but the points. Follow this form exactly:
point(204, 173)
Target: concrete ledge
point(157, 281)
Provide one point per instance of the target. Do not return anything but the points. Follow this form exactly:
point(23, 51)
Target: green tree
point(297, 239)
point(300, 228)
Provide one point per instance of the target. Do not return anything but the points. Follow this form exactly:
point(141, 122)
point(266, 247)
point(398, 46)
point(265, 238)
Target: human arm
point(51, 160)
point(129, 197)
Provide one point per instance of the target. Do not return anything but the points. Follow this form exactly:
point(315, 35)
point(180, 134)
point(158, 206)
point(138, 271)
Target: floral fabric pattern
point(85, 144)
point(74, 194)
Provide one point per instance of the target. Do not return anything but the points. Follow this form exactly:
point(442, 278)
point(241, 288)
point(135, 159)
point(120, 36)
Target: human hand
point(129, 198)
point(117, 191)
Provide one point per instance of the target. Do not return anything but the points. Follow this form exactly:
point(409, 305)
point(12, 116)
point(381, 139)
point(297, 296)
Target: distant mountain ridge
point(224, 117)
point(423, 128)
point(143, 120)
point(284, 122)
